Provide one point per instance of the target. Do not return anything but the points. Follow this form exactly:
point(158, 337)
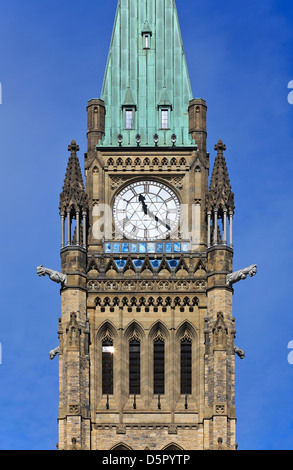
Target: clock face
point(146, 210)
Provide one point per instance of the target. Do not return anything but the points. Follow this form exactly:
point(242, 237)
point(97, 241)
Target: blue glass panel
point(160, 248)
point(138, 263)
point(142, 247)
point(133, 248)
point(168, 247)
point(125, 247)
point(120, 263)
point(173, 263)
point(151, 247)
point(108, 248)
point(185, 247)
point(177, 247)
point(155, 263)
point(116, 247)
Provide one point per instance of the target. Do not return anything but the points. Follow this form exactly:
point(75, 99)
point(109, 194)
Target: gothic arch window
point(128, 162)
point(134, 366)
point(173, 161)
point(159, 366)
point(119, 162)
point(146, 161)
point(107, 366)
point(186, 366)
point(172, 447)
point(121, 447)
point(182, 161)
point(137, 161)
point(165, 161)
point(110, 162)
point(156, 161)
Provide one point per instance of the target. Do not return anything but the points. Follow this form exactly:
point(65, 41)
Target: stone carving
point(220, 409)
point(239, 352)
point(241, 274)
point(111, 285)
point(200, 285)
point(55, 276)
point(129, 285)
point(53, 353)
point(116, 181)
point(93, 285)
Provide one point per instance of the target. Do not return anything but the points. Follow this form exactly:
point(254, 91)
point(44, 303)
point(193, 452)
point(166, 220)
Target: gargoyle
point(53, 353)
point(239, 352)
point(241, 274)
point(53, 275)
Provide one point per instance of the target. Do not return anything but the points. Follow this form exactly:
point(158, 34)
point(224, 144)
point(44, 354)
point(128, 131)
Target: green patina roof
point(146, 78)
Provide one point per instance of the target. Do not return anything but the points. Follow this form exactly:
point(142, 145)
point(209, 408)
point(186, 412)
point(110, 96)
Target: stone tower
point(147, 354)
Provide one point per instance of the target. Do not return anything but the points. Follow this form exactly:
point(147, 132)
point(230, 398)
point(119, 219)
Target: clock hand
point(141, 199)
point(158, 220)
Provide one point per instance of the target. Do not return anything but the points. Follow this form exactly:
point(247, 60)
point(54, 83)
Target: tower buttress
point(219, 412)
point(74, 419)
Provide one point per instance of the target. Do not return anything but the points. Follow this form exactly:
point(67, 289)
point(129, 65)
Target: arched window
point(186, 366)
point(134, 367)
point(107, 366)
point(172, 447)
point(159, 367)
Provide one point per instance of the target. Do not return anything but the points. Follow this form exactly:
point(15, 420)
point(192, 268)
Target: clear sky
point(52, 61)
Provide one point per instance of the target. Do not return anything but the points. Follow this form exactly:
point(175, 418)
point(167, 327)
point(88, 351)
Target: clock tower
point(147, 355)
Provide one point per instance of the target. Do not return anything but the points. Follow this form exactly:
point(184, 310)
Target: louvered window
point(186, 367)
point(159, 367)
point(107, 367)
point(134, 367)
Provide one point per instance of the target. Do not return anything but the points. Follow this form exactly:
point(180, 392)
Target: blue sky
point(52, 61)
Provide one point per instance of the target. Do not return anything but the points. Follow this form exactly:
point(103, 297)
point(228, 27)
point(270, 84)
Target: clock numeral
point(125, 221)
point(134, 231)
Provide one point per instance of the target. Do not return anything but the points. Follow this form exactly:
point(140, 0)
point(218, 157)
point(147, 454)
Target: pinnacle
point(73, 173)
point(73, 192)
point(220, 193)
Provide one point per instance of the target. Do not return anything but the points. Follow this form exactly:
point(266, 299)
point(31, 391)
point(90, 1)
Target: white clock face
point(146, 210)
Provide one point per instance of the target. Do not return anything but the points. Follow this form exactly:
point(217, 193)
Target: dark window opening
point(107, 367)
point(186, 367)
point(159, 367)
point(134, 367)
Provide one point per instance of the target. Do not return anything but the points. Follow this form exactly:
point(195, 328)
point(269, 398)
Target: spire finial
point(73, 147)
point(220, 147)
